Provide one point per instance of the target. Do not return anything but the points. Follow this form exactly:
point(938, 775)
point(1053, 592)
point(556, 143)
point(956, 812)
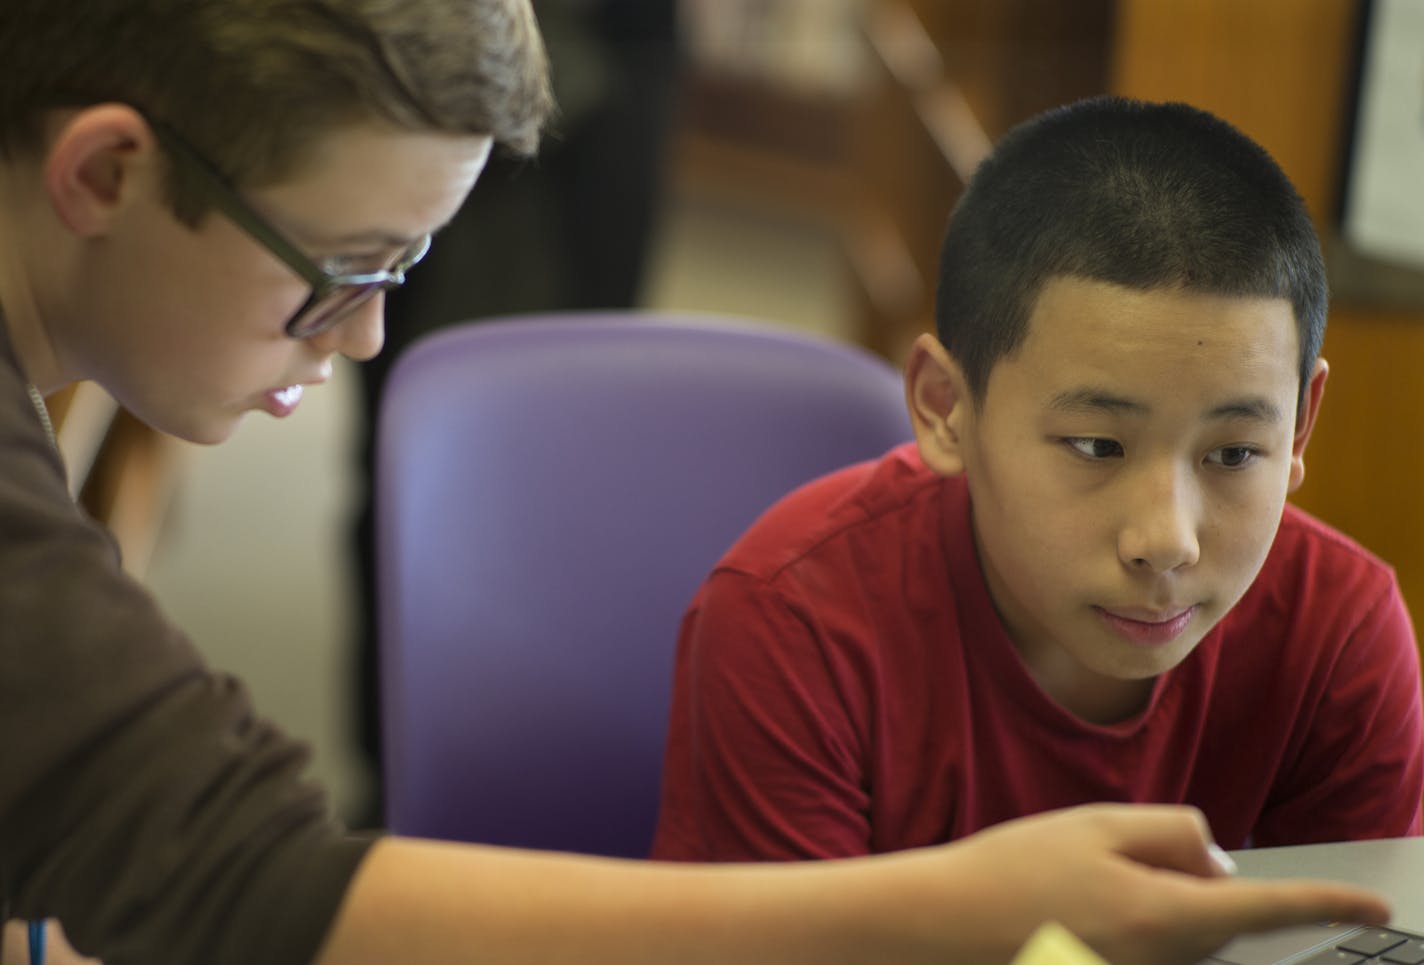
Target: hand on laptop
point(1136, 882)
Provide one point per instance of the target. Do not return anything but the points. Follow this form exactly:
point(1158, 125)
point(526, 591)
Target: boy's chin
point(213, 434)
point(209, 431)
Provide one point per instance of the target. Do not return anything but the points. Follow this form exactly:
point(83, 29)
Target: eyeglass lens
point(318, 315)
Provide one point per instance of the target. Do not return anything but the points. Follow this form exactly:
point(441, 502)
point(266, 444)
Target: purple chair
point(551, 490)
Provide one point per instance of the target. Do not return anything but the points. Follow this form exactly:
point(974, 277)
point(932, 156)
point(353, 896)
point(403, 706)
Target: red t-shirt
point(844, 686)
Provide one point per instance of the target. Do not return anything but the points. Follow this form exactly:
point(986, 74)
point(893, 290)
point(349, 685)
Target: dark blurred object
point(568, 230)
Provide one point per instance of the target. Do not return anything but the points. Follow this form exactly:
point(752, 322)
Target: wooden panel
point(1366, 461)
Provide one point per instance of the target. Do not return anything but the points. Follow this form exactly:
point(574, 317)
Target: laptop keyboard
point(1384, 945)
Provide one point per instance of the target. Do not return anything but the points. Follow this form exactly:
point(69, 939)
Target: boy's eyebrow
point(1095, 400)
point(1254, 408)
point(382, 239)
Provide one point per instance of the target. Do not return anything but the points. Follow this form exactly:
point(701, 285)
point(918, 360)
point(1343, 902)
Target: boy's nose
point(360, 334)
point(1159, 532)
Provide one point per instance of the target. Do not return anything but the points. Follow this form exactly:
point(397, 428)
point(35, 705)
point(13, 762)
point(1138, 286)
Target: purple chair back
point(551, 491)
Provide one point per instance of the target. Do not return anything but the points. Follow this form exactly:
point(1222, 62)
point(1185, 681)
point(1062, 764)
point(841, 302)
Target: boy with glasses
point(200, 204)
point(333, 292)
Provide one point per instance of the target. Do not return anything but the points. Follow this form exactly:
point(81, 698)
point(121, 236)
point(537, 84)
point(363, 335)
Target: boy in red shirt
point(1082, 582)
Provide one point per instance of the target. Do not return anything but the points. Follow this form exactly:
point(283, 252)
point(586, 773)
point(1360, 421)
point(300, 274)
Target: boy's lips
point(282, 402)
point(1147, 627)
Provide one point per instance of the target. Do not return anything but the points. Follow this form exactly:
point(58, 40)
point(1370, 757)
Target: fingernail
point(1221, 859)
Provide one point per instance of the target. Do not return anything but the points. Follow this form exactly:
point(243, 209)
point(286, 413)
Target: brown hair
point(253, 83)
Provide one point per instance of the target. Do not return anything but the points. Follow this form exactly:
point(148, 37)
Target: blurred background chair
point(570, 230)
point(550, 493)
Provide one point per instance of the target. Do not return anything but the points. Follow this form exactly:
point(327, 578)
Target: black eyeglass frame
point(324, 283)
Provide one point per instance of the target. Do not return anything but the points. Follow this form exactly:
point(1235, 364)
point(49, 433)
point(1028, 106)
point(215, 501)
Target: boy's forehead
point(1077, 303)
point(1080, 329)
point(378, 153)
point(369, 179)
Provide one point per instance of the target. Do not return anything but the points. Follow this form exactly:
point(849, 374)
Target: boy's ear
point(937, 396)
point(91, 162)
point(1305, 422)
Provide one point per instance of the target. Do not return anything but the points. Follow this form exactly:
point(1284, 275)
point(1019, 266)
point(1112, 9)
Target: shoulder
point(867, 504)
point(33, 468)
point(1317, 583)
point(17, 411)
point(1315, 554)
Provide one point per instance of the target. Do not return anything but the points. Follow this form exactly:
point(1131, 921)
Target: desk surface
point(1392, 866)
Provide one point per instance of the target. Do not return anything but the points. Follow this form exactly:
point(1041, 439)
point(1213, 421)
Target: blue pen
point(37, 942)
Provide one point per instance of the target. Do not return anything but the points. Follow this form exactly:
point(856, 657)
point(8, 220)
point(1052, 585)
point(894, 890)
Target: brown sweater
point(141, 801)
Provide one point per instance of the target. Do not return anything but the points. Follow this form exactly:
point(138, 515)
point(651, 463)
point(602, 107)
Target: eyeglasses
point(333, 294)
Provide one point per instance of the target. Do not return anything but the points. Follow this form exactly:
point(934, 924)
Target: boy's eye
point(336, 266)
point(1231, 457)
point(1094, 447)
point(353, 264)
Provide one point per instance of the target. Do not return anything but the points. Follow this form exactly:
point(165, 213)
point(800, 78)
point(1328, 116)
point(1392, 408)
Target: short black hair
point(1143, 195)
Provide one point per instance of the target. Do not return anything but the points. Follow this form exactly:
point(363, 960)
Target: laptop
point(1394, 867)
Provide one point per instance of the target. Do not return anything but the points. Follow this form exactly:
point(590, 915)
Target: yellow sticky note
point(1053, 944)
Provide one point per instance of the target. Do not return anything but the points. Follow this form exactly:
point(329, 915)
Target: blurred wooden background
point(876, 147)
point(881, 161)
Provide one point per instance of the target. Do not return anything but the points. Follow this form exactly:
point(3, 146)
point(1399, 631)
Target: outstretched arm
point(14, 946)
point(1134, 881)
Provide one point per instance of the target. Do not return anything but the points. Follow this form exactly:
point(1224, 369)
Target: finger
point(1223, 861)
point(1243, 905)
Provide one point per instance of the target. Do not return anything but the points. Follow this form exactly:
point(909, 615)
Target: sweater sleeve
point(1358, 767)
point(141, 801)
point(765, 759)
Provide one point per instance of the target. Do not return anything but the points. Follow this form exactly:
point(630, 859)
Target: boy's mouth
point(1146, 628)
point(282, 402)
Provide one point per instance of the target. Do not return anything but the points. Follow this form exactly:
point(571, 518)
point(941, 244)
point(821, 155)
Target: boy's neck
point(19, 310)
point(1089, 696)
point(1093, 697)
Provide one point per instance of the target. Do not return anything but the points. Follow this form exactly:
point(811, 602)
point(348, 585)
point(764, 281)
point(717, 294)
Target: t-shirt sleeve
point(765, 760)
point(1359, 769)
point(141, 801)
